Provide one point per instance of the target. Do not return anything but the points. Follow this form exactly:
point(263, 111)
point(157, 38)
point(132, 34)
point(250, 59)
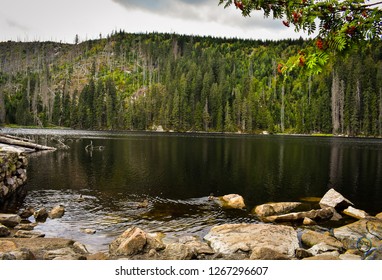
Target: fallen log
point(29, 145)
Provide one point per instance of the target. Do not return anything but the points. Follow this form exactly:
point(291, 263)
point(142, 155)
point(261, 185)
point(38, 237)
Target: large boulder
point(10, 220)
point(270, 209)
point(4, 231)
point(129, 243)
point(334, 199)
point(310, 238)
point(229, 239)
point(351, 234)
point(319, 214)
point(57, 212)
point(233, 201)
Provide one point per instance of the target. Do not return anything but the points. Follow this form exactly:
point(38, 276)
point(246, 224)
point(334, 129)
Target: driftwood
point(20, 143)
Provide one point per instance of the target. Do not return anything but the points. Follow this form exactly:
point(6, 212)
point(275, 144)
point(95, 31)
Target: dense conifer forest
point(187, 83)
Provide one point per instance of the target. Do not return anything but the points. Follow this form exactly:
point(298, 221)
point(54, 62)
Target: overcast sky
point(59, 20)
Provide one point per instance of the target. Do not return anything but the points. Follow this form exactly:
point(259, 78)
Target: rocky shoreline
point(285, 231)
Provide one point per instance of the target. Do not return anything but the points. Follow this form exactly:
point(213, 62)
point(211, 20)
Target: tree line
point(188, 83)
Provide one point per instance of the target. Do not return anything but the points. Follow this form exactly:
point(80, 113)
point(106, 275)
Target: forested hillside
point(186, 83)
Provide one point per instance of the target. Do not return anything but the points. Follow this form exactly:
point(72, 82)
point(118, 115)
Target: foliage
point(338, 25)
point(189, 83)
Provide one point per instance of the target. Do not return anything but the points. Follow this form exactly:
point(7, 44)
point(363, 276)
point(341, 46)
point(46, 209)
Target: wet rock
point(199, 247)
point(267, 254)
point(57, 212)
point(28, 234)
point(371, 228)
point(100, 256)
point(308, 222)
point(349, 257)
point(178, 251)
point(7, 257)
point(270, 209)
point(374, 254)
point(321, 248)
point(311, 238)
point(26, 213)
point(131, 242)
point(320, 214)
point(326, 256)
point(4, 231)
point(88, 231)
point(229, 239)
point(7, 246)
point(334, 199)
point(30, 226)
point(355, 213)
point(23, 254)
point(62, 254)
point(233, 201)
point(41, 215)
point(80, 248)
point(10, 220)
point(302, 253)
point(154, 241)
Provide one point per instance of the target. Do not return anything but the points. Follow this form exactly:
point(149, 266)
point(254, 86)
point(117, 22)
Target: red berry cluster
point(320, 43)
point(239, 5)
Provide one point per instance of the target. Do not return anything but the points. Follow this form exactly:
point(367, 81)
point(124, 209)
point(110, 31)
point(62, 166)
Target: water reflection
point(176, 173)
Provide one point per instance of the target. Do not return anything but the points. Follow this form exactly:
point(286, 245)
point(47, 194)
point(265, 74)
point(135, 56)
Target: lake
point(173, 174)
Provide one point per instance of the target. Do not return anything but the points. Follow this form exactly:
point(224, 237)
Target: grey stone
point(229, 239)
point(320, 214)
point(311, 238)
point(10, 220)
point(267, 254)
point(4, 231)
point(131, 242)
point(57, 212)
point(334, 199)
point(270, 209)
point(178, 251)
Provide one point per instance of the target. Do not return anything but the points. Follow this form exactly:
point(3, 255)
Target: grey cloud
point(202, 10)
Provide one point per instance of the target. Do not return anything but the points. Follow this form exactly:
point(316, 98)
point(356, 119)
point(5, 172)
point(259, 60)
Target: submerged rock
point(229, 239)
point(57, 212)
point(334, 199)
point(270, 209)
point(10, 220)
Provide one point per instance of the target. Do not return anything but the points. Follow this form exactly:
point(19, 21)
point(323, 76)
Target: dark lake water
point(176, 173)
